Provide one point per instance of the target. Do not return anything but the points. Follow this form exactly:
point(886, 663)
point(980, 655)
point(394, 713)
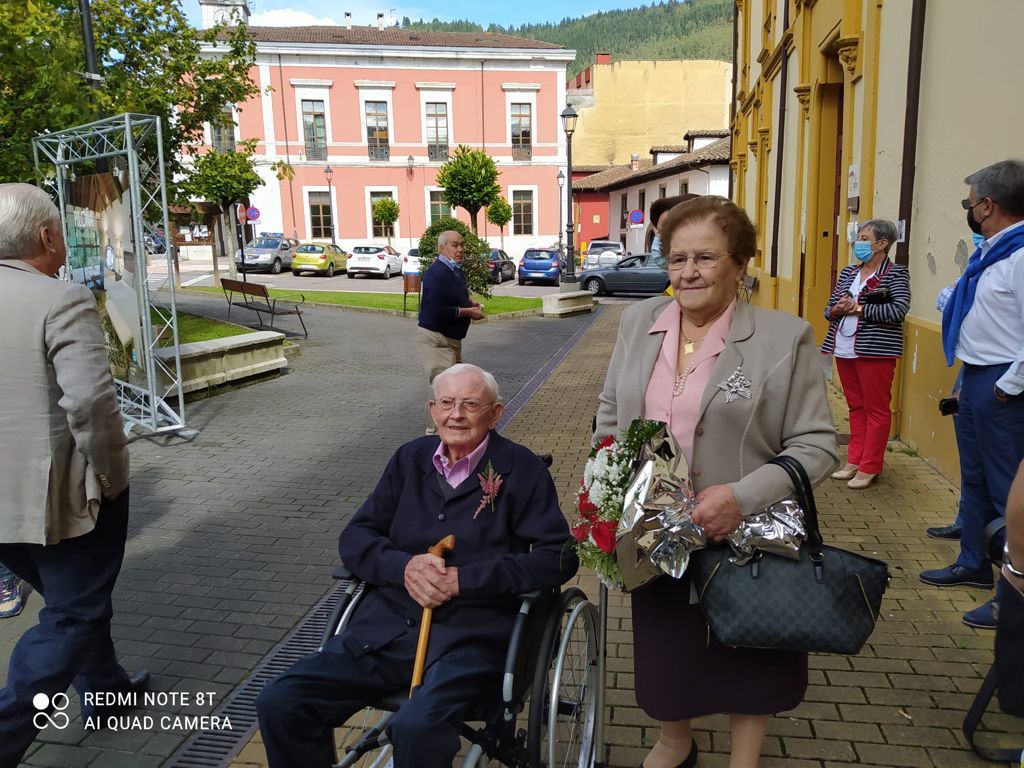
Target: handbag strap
point(973, 718)
point(805, 497)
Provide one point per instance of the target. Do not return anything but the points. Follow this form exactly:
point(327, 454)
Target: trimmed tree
point(386, 212)
point(475, 259)
point(470, 181)
point(499, 213)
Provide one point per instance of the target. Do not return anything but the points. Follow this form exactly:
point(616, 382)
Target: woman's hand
point(845, 306)
point(717, 512)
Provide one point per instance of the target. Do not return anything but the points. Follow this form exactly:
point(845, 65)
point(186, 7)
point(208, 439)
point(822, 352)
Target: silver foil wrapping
point(656, 533)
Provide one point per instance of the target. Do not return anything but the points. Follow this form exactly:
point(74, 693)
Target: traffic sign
point(253, 214)
point(636, 216)
point(240, 212)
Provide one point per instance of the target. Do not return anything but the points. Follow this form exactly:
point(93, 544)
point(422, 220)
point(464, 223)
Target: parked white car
point(381, 260)
point(603, 253)
point(411, 262)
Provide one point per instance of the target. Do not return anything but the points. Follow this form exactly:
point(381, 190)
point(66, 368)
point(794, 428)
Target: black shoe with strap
point(691, 759)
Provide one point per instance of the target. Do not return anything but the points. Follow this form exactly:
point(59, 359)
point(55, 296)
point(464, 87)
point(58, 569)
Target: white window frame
point(521, 97)
point(535, 191)
point(377, 94)
point(426, 203)
point(437, 92)
point(318, 92)
point(208, 129)
point(369, 210)
point(334, 210)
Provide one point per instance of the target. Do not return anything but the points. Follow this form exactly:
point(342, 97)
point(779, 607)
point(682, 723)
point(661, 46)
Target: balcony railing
point(379, 151)
point(438, 152)
point(316, 151)
point(522, 152)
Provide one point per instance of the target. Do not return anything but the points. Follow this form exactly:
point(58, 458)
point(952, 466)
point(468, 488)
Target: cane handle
point(445, 545)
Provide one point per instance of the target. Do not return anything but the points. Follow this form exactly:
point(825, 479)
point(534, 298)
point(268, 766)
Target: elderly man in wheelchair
point(499, 501)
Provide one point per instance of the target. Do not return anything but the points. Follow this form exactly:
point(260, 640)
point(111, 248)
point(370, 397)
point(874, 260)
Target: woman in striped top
point(865, 313)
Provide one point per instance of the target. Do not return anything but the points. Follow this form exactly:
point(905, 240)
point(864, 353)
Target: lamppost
point(329, 175)
point(569, 126)
point(561, 182)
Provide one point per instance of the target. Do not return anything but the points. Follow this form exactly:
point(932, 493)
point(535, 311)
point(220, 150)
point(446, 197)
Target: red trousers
point(867, 384)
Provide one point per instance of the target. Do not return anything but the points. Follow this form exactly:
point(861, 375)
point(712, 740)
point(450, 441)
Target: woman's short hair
point(24, 210)
point(489, 381)
point(724, 214)
point(663, 205)
point(882, 229)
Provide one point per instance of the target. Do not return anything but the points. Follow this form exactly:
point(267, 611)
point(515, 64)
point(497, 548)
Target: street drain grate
point(216, 749)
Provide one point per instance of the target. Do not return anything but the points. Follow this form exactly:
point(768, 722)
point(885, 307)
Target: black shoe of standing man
point(944, 532)
point(138, 683)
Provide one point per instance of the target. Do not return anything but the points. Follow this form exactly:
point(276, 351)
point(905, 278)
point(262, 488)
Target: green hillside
point(697, 29)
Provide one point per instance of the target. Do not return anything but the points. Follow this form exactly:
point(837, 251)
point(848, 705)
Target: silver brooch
point(736, 386)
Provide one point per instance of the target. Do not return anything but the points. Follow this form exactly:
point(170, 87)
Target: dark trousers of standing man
point(298, 709)
point(71, 644)
point(990, 439)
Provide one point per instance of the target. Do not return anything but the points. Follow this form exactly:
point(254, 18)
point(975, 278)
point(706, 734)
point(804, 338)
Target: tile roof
point(338, 35)
point(670, 148)
point(716, 153)
point(596, 168)
point(600, 181)
point(715, 133)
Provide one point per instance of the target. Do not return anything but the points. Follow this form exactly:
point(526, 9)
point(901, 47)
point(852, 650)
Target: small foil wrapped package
point(656, 533)
point(777, 529)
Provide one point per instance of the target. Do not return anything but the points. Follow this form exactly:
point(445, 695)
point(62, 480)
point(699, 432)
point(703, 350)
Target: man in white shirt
point(983, 326)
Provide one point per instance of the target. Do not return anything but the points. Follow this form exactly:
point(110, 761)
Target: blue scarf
point(963, 296)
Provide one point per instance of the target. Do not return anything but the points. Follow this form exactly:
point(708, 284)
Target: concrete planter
point(206, 364)
point(564, 304)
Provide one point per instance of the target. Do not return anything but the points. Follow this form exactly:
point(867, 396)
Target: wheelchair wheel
point(371, 753)
point(563, 697)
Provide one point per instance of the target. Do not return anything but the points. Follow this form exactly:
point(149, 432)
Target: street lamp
point(329, 174)
point(569, 126)
point(561, 183)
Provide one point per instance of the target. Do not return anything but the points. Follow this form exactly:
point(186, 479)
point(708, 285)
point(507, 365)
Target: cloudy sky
point(287, 13)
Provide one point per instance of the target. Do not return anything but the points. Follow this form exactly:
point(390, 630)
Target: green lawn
point(495, 305)
point(194, 328)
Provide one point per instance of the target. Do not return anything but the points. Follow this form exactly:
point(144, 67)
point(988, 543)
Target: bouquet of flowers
point(599, 500)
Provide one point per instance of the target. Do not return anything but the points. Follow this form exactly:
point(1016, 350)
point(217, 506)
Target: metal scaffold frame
point(137, 140)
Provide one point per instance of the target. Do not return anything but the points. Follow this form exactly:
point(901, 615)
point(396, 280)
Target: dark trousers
point(990, 439)
point(71, 644)
point(298, 709)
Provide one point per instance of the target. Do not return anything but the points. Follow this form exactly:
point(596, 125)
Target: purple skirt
point(682, 672)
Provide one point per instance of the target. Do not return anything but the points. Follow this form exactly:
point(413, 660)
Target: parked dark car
point(640, 273)
point(502, 267)
point(540, 265)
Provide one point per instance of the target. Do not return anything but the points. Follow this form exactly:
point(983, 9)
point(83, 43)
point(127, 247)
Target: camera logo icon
point(43, 719)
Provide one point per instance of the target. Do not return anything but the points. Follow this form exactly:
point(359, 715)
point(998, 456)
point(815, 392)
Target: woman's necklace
point(687, 349)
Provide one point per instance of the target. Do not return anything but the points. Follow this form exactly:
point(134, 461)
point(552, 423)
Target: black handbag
point(877, 296)
point(825, 602)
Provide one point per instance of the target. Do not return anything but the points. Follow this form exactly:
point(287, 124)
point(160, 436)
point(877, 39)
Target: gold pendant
point(688, 348)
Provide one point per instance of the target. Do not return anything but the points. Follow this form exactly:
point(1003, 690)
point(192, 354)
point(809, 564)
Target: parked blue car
point(540, 265)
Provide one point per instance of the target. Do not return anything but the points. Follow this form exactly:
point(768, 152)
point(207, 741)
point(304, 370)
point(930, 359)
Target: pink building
point(383, 108)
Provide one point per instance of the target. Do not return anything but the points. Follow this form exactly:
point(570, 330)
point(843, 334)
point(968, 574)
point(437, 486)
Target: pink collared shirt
point(456, 474)
point(681, 412)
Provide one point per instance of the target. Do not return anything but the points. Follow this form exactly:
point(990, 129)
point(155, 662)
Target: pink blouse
point(681, 412)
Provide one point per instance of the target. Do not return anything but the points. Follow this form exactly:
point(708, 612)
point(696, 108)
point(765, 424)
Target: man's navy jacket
point(444, 292)
point(521, 545)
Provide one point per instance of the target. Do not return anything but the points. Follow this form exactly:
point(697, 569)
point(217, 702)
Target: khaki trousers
point(439, 353)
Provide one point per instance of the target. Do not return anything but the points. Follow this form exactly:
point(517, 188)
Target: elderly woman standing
point(866, 312)
point(737, 387)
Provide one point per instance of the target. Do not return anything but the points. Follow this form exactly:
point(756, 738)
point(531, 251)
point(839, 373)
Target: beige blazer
point(62, 445)
point(787, 411)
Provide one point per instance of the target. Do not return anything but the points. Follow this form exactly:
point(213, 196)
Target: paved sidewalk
point(235, 534)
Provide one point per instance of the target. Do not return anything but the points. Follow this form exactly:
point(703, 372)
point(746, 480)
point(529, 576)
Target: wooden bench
point(255, 297)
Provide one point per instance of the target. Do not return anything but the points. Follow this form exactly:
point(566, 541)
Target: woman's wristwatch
point(1009, 565)
point(858, 311)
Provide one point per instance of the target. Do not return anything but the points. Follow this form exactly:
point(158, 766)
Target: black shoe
point(955, 576)
point(138, 683)
point(691, 759)
point(944, 532)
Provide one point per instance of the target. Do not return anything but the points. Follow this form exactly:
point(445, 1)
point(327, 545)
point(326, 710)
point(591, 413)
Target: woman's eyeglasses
point(470, 406)
point(702, 261)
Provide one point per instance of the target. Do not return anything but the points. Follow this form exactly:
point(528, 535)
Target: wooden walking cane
point(445, 545)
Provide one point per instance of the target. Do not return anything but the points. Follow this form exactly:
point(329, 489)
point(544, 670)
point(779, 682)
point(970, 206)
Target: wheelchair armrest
point(517, 641)
point(341, 572)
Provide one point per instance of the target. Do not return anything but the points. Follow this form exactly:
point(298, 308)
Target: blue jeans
point(990, 438)
point(71, 644)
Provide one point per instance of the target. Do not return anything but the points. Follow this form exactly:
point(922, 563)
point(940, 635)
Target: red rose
point(586, 507)
point(580, 532)
point(604, 535)
point(608, 440)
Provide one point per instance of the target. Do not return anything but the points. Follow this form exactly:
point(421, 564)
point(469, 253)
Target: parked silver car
point(270, 252)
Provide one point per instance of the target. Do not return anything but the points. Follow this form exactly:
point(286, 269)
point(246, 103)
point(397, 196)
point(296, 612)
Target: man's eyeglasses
point(702, 261)
point(966, 203)
point(470, 406)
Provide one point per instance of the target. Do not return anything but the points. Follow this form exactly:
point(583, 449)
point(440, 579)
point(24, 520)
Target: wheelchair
point(545, 714)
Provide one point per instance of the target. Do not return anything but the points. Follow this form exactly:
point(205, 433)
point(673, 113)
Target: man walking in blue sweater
point(445, 309)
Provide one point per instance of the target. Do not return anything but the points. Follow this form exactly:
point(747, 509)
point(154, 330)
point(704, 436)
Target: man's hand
point(473, 312)
point(430, 582)
point(717, 512)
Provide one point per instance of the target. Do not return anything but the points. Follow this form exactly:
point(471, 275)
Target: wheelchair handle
point(443, 547)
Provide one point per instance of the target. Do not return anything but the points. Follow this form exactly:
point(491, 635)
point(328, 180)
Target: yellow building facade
point(847, 110)
point(627, 107)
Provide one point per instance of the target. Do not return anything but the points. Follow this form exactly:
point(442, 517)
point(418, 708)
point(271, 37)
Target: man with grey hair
point(983, 326)
point(498, 499)
point(445, 308)
point(63, 473)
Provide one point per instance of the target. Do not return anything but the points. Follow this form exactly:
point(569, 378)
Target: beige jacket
point(62, 445)
point(787, 411)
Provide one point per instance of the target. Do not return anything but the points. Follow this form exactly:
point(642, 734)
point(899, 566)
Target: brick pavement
point(899, 703)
